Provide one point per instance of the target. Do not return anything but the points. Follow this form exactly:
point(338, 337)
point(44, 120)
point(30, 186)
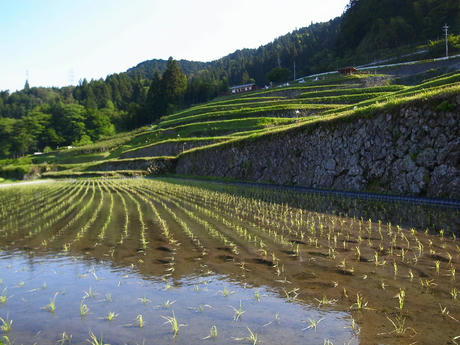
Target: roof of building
point(239, 86)
point(349, 68)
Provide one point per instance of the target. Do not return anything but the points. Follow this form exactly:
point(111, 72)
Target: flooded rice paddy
point(138, 261)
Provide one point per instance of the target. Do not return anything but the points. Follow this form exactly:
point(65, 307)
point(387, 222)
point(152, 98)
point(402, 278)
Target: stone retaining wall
point(413, 150)
point(153, 166)
point(165, 149)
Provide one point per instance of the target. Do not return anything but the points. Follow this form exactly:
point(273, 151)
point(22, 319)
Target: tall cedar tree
point(154, 104)
point(174, 84)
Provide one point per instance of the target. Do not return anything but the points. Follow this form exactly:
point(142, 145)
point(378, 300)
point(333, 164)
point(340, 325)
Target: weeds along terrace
point(309, 249)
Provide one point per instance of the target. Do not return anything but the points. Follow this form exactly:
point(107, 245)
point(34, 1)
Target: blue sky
point(62, 41)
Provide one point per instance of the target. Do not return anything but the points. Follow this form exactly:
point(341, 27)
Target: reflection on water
point(322, 272)
point(199, 301)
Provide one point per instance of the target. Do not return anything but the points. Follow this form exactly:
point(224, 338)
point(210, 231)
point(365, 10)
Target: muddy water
point(197, 300)
point(151, 248)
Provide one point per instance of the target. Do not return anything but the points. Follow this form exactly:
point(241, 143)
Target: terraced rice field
point(142, 261)
point(248, 115)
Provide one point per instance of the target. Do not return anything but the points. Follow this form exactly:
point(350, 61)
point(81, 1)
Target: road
point(2, 185)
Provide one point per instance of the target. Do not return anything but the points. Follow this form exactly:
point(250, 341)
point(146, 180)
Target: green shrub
point(15, 172)
point(446, 106)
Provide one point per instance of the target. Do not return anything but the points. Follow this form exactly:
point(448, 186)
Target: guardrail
point(450, 203)
point(362, 68)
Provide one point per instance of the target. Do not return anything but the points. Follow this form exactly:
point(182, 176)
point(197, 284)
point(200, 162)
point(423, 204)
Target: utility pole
point(446, 28)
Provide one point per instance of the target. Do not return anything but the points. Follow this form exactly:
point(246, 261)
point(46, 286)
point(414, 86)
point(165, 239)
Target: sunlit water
point(304, 271)
point(198, 302)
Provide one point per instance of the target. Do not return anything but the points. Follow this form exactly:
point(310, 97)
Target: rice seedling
point(381, 262)
point(401, 295)
point(445, 313)
point(144, 300)
point(452, 272)
point(4, 297)
point(276, 319)
point(252, 338)
point(84, 310)
point(225, 292)
point(358, 253)
point(411, 275)
point(312, 324)
point(6, 324)
point(108, 297)
point(291, 296)
point(344, 268)
point(166, 304)
point(454, 293)
point(427, 283)
point(140, 321)
point(90, 293)
point(65, 339)
point(325, 301)
point(172, 321)
point(110, 316)
point(51, 307)
point(237, 312)
point(212, 333)
point(360, 304)
point(437, 265)
point(93, 340)
point(399, 326)
point(354, 327)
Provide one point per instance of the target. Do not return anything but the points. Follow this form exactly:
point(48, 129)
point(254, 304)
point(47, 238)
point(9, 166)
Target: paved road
point(364, 67)
point(23, 183)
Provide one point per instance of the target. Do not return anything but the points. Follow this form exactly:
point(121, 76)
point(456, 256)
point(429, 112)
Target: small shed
point(348, 70)
point(243, 88)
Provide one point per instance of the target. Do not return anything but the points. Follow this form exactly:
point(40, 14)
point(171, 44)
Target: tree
point(26, 87)
point(155, 104)
point(278, 75)
point(174, 84)
point(69, 121)
point(98, 124)
point(6, 135)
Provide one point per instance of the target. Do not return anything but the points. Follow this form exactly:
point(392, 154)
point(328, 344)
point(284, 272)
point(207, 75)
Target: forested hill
point(368, 30)
point(309, 47)
point(148, 68)
point(369, 25)
point(36, 118)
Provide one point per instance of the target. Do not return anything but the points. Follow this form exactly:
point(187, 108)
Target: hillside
point(239, 120)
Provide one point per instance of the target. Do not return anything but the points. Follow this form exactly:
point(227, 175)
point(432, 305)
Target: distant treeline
point(35, 119)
